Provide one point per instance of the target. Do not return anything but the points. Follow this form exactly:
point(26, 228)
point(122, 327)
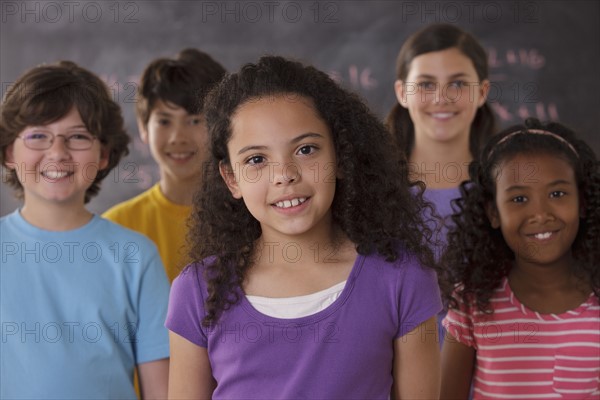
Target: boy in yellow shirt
point(169, 114)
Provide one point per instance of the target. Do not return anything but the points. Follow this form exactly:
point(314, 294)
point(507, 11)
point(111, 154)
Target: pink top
point(522, 354)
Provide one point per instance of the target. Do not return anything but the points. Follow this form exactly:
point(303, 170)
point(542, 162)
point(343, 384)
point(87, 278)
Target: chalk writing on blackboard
point(531, 58)
point(358, 77)
point(540, 110)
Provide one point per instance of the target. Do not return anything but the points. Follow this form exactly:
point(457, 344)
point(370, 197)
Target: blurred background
point(544, 55)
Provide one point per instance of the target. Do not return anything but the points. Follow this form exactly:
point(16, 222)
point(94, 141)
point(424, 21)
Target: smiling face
point(442, 93)
point(57, 175)
point(283, 166)
point(178, 142)
point(537, 209)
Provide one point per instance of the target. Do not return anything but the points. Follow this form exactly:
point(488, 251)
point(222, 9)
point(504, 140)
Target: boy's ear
point(229, 177)
point(492, 214)
point(143, 129)
point(9, 158)
point(104, 158)
point(401, 94)
point(484, 90)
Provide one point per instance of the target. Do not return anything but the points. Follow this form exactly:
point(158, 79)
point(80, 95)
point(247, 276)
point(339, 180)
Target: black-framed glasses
point(43, 140)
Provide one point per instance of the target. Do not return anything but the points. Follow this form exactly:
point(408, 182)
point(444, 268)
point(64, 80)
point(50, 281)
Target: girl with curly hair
point(524, 320)
point(313, 276)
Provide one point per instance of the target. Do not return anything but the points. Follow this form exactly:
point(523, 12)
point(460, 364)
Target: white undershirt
point(299, 306)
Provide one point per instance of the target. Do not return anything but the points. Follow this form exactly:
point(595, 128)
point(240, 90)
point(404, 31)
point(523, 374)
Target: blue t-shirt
point(79, 309)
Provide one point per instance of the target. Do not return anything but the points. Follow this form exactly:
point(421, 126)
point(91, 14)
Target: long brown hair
point(439, 37)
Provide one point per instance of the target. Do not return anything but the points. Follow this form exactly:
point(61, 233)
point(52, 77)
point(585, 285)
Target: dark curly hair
point(438, 37)
point(373, 204)
point(47, 93)
point(184, 81)
point(477, 257)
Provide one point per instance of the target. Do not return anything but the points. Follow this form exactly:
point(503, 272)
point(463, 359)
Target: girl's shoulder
point(406, 266)
point(193, 276)
point(198, 267)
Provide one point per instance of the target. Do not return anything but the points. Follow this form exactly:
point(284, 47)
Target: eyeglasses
point(44, 140)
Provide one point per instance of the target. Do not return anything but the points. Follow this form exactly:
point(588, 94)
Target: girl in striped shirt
point(524, 257)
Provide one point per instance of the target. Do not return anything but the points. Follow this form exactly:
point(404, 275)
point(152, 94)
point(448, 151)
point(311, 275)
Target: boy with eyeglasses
point(83, 300)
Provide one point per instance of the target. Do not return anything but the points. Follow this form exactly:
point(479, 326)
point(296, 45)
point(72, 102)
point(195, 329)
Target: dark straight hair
point(432, 38)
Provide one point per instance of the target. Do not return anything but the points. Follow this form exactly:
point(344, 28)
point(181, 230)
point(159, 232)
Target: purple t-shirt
point(442, 201)
point(342, 352)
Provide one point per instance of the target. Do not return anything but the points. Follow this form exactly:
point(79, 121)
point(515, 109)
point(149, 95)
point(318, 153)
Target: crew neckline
point(507, 290)
point(35, 231)
point(163, 200)
point(310, 319)
point(297, 306)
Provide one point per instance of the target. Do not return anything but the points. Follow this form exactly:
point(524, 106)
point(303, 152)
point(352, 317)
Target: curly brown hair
point(438, 37)
point(477, 257)
point(47, 93)
point(375, 204)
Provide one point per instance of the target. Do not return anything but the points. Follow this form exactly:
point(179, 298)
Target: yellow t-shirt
point(163, 221)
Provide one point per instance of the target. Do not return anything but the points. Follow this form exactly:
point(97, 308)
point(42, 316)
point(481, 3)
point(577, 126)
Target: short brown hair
point(47, 93)
point(184, 81)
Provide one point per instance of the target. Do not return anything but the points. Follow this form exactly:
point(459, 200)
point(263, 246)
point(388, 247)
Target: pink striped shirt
point(522, 354)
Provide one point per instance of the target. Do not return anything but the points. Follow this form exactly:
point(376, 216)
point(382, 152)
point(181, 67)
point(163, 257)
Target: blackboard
point(544, 55)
